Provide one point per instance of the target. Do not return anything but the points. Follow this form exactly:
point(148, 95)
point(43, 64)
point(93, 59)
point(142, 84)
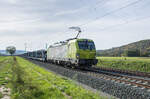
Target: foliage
point(11, 50)
point(4, 73)
point(126, 63)
point(132, 53)
point(142, 47)
point(29, 81)
point(1, 95)
point(53, 86)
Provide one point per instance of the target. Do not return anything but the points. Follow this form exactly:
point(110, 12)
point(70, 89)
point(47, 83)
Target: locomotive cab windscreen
point(86, 45)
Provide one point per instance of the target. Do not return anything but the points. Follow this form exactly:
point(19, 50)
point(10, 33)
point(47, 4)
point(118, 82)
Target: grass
point(1, 95)
point(126, 63)
point(53, 86)
point(4, 72)
point(29, 81)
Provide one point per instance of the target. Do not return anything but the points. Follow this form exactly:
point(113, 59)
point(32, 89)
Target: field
point(28, 81)
point(126, 63)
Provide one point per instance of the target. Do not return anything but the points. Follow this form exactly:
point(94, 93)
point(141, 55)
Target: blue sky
point(37, 22)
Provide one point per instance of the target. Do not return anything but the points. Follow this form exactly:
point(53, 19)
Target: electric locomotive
point(73, 52)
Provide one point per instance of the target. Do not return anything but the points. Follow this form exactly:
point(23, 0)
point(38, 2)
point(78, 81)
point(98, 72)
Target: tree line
point(126, 53)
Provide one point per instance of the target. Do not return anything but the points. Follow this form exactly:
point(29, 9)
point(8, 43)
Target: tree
point(11, 50)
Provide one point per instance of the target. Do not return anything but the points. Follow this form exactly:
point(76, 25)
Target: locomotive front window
point(86, 45)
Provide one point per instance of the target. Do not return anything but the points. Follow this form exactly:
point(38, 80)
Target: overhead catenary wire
point(127, 22)
point(111, 12)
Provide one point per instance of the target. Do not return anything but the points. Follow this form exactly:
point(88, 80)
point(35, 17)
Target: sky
point(110, 23)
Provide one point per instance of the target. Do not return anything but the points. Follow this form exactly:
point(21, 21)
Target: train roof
point(84, 40)
point(69, 40)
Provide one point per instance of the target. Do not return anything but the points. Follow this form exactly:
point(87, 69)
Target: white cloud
point(38, 22)
point(70, 11)
point(11, 1)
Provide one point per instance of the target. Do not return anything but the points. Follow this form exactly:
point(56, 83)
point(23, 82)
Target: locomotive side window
point(86, 45)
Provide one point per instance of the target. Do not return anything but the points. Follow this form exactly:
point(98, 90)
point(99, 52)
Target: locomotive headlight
point(78, 55)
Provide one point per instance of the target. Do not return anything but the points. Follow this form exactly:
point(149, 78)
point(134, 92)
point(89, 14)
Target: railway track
point(133, 81)
point(122, 78)
point(127, 72)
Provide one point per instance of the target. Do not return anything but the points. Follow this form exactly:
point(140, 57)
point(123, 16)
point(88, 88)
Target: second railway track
point(133, 81)
point(126, 72)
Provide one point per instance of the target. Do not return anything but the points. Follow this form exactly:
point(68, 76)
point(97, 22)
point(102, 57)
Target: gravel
point(119, 90)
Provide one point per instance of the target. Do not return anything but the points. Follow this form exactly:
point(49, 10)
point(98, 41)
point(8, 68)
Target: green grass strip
point(4, 70)
point(34, 82)
point(1, 95)
point(141, 64)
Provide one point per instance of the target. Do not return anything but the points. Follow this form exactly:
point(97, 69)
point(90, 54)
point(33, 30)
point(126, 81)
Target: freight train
point(72, 52)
